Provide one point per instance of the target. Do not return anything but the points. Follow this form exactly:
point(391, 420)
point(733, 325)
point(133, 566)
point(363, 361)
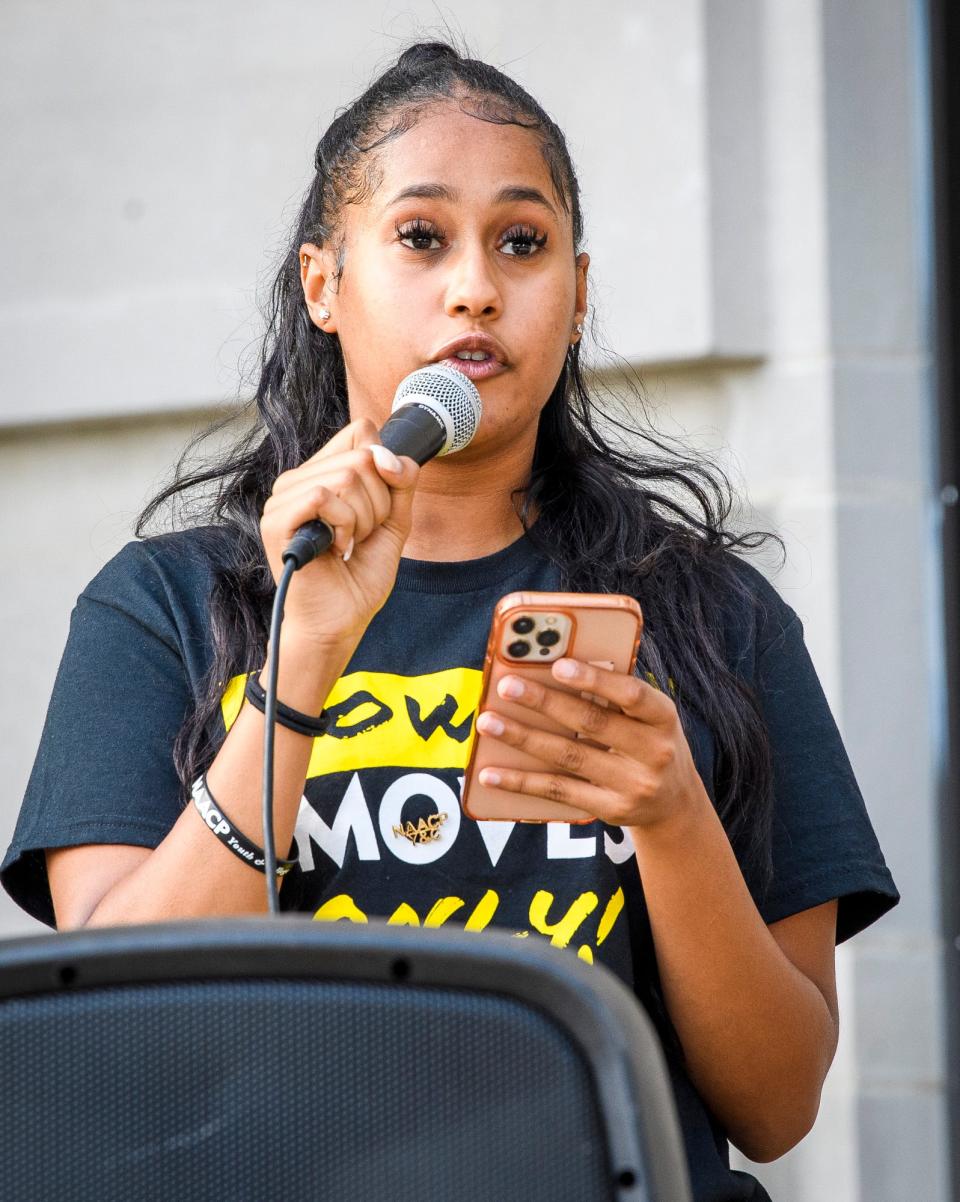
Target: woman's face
point(462, 235)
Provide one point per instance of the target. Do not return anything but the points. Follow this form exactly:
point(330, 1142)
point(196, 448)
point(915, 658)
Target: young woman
point(731, 848)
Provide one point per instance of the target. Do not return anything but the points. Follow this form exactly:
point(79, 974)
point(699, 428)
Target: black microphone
point(435, 411)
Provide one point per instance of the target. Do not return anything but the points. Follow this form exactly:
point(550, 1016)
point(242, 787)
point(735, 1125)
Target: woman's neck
point(464, 510)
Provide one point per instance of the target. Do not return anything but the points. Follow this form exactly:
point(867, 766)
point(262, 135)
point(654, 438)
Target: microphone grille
point(454, 392)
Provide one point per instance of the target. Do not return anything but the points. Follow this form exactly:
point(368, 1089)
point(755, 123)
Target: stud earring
point(324, 314)
point(578, 328)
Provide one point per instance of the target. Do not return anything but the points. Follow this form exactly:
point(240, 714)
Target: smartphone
point(528, 632)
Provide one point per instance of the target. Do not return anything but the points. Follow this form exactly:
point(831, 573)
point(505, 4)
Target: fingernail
point(511, 687)
point(385, 458)
point(490, 724)
point(490, 777)
point(349, 551)
point(566, 668)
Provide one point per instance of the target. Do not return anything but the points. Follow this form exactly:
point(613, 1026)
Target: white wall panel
point(155, 154)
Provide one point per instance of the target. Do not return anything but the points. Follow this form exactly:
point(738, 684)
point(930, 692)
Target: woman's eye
point(419, 236)
point(522, 242)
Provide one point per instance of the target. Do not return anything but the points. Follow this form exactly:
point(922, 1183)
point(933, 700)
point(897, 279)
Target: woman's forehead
point(454, 155)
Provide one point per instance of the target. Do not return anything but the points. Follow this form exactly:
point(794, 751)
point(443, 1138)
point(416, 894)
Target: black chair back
point(265, 1059)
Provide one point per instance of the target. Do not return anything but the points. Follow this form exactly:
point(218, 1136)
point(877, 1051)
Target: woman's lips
point(475, 369)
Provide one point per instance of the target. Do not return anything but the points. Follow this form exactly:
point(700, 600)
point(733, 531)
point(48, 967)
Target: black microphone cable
point(290, 565)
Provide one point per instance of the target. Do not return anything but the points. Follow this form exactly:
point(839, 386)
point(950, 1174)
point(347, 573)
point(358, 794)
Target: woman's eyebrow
point(423, 192)
point(517, 192)
point(512, 193)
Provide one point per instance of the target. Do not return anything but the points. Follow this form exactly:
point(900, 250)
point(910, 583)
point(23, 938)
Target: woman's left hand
point(642, 775)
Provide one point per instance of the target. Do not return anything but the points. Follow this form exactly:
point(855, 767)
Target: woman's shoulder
point(755, 618)
point(163, 576)
point(178, 558)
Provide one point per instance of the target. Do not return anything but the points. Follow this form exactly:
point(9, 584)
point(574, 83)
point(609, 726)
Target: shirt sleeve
point(104, 771)
point(824, 845)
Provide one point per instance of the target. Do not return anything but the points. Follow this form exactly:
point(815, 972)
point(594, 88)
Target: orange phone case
point(597, 628)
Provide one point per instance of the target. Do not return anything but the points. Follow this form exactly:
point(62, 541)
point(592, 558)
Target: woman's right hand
point(332, 600)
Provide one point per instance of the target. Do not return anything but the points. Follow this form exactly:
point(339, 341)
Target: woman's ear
point(315, 280)
point(580, 313)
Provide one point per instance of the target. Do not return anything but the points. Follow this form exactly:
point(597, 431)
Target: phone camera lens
point(519, 649)
point(522, 626)
point(548, 638)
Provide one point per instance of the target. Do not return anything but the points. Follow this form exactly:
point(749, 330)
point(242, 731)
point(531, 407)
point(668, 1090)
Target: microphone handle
point(405, 433)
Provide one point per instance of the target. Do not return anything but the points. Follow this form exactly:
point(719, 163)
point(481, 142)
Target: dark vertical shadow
point(944, 46)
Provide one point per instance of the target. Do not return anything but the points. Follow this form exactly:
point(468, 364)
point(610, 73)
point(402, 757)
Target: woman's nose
point(472, 289)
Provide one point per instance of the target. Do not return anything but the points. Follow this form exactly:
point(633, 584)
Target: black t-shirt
point(403, 711)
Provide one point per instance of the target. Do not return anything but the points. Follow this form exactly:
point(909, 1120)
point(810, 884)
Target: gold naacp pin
point(424, 831)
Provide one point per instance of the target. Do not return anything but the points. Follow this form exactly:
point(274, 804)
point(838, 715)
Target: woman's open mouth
point(477, 365)
point(475, 353)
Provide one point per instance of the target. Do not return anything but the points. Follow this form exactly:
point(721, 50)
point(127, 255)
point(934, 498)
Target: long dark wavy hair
point(647, 521)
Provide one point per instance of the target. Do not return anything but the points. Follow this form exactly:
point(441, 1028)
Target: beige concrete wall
point(148, 189)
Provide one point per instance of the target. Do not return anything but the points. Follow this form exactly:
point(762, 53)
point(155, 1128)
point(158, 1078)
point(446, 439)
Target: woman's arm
point(754, 1007)
point(190, 874)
